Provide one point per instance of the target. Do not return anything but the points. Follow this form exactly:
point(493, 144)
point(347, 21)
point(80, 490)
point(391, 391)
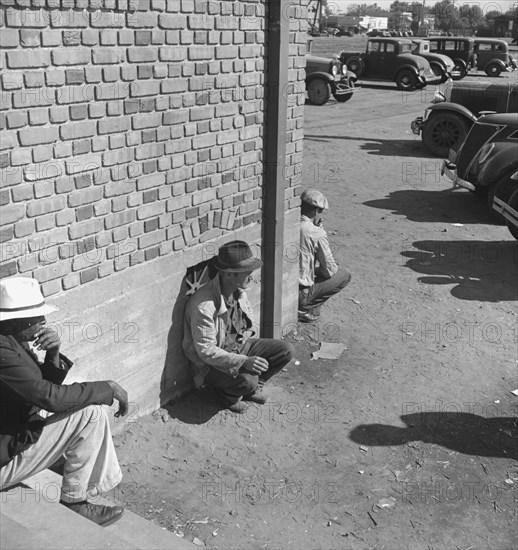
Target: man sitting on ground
point(319, 276)
point(78, 430)
point(218, 333)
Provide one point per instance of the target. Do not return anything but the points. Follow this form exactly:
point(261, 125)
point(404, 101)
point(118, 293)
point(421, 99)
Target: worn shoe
point(257, 397)
point(102, 515)
point(306, 317)
point(238, 407)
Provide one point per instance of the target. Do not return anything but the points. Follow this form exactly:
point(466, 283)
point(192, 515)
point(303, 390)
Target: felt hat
point(315, 198)
point(236, 257)
point(21, 297)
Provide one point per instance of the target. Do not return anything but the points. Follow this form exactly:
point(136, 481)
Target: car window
point(374, 47)
point(484, 47)
point(389, 48)
point(449, 45)
point(406, 48)
point(434, 45)
point(426, 47)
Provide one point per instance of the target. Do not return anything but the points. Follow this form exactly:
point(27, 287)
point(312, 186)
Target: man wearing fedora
point(219, 333)
point(319, 275)
point(78, 429)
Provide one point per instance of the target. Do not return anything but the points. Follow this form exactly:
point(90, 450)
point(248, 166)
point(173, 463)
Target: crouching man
point(78, 430)
point(218, 333)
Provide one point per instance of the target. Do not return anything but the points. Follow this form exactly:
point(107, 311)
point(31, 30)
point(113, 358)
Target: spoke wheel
point(406, 80)
point(319, 91)
point(493, 70)
point(444, 132)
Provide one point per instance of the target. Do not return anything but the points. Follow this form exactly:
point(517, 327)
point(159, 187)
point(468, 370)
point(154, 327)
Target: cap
point(314, 197)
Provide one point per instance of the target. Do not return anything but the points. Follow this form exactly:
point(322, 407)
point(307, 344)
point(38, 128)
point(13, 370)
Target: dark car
point(326, 77)
point(446, 123)
point(441, 65)
point(487, 164)
point(492, 56)
point(461, 50)
point(391, 59)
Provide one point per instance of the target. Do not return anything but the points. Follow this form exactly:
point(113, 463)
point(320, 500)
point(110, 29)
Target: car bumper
point(449, 169)
point(510, 214)
point(343, 87)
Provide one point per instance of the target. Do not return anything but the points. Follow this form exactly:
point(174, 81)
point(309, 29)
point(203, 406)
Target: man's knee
point(289, 351)
point(93, 414)
point(344, 277)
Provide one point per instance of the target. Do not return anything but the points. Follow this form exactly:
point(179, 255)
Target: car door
point(376, 61)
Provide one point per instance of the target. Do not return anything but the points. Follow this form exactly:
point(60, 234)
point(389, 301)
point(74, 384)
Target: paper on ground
point(329, 351)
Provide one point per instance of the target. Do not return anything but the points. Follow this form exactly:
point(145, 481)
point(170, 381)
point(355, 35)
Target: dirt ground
point(410, 438)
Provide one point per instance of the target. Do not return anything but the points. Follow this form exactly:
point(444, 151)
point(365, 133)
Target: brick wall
point(131, 147)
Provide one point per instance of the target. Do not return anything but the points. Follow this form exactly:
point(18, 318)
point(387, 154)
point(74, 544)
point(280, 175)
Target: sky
point(485, 5)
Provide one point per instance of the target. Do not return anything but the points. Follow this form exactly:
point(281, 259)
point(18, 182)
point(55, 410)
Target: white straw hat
point(21, 297)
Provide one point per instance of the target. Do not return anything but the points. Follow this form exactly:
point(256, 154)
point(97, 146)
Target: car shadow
point(446, 205)
point(385, 147)
point(484, 271)
point(462, 432)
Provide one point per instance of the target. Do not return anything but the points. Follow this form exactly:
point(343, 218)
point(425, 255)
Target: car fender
point(352, 76)
point(499, 62)
point(453, 108)
point(502, 160)
point(320, 76)
point(344, 56)
point(405, 66)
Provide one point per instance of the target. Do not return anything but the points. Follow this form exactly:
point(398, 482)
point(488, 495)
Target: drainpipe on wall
point(276, 104)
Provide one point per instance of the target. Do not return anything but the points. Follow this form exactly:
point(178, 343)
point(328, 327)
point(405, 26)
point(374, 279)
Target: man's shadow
point(177, 393)
point(465, 433)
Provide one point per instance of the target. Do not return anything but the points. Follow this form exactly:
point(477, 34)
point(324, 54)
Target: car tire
point(356, 65)
point(342, 98)
point(319, 91)
point(406, 80)
point(493, 69)
point(459, 67)
point(513, 203)
point(442, 132)
point(503, 189)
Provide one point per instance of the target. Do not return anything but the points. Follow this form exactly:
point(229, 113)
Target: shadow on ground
point(486, 271)
point(465, 433)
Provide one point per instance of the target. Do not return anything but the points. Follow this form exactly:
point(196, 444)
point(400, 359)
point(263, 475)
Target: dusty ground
point(409, 439)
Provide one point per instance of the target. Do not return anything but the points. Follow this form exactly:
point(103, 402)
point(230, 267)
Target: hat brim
point(45, 309)
point(247, 265)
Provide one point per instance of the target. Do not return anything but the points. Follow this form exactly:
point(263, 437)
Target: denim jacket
point(205, 322)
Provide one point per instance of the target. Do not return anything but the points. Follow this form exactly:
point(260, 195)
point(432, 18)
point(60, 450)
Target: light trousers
point(84, 439)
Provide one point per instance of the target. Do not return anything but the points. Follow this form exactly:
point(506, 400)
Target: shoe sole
point(112, 521)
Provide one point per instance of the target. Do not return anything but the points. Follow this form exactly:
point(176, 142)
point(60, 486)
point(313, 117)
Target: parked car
point(492, 56)
point(460, 50)
point(391, 59)
point(326, 77)
point(487, 164)
point(447, 121)
point(441, 65)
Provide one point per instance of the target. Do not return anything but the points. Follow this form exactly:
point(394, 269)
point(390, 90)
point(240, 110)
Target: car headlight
point(344, 70)
point(485, 151)
point(438, 97)
point(334, 69)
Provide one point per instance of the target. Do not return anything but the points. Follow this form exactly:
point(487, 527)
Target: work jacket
point(27, 386)
point(205, 324)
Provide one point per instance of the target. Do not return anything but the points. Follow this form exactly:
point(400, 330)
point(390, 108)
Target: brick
point(151, 180)
point(172, 21)
point(83, 229)
point(113, 189)
point(145, 120)
point(149, 151)
point(16, 119)
point(77, 130)
point(8, 269)
point(34, 79)
point(108, 37)
point(38, 117)
point(81, 147)
point(37, 136)
point(24, 228)
point(173, 53)
point(9, 38)
point(55, 78)
point(34, 97)
point(75, 76)
point(143, 20)
point(142, 55)
point(121, 218)
point(90, 37)
point(44, 206)
point(71, 56)
point(115, 124)
point(78, 112)
point(108, 19)
point(84, 196)
point(29, 38)
point(51, 272)
point(88, 275)
point(70, 281)
point(150, 239)
point(83, 180)
point(105, 56)
point(116, 90)
point(197, 53)
point(65, 217)
point(151, 210)
point(126, 37)
point(142, 38)
point(27, 18)
point(51, 38)
point(23, 59)
point(68, 19)
point(43, 170)
point(12, 214)
point(119, 156)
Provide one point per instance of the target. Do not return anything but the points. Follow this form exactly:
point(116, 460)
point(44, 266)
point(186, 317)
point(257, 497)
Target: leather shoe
point(257, 397)
point(306, 317)
point(102, 515)
point(238, 407)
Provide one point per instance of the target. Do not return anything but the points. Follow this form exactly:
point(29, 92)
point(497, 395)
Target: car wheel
point(406, 80)
point(493, 70)
point(342, 98)
point(503, 189)
point(459, 68)
point(513, 203)
point(443, 132)
point(356, 65)
point(319, 91)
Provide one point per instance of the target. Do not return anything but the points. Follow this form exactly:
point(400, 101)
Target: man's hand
point(47, 339)
point(255, 365)
point(121, 395)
